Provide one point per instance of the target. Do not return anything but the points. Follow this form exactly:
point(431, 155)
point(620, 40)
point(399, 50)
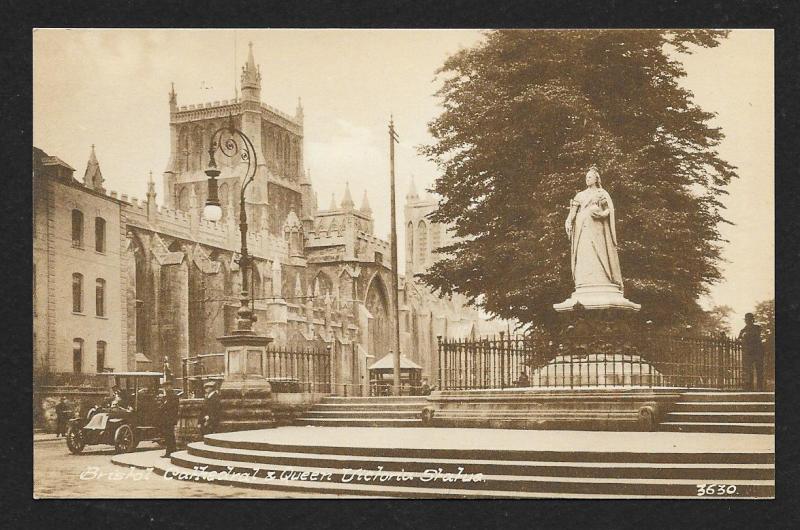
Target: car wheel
point(75, 442)
point(124, 439)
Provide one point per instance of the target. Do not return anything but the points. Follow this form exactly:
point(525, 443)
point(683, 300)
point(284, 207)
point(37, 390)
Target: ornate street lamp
point(245, 351)
point(234, 144)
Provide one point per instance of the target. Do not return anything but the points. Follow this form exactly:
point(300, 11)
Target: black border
point(20, 511)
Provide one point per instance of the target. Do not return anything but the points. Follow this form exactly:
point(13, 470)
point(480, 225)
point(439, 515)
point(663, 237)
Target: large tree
point(526, 113)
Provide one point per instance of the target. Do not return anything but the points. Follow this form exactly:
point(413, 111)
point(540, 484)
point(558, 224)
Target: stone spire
point(298, 113)
point(365, 204)
point(333, 202)
point(173, 99)
point(412, 190)
point(251, 78)
point(347, 201)
point(151, 197)
point(151, 186)
point(93, 178)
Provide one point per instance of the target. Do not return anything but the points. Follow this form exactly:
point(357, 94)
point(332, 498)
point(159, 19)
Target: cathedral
point(320, 277)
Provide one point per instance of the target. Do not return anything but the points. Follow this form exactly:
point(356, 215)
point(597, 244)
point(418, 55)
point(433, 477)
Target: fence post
point(439, 353)
point(502, 361)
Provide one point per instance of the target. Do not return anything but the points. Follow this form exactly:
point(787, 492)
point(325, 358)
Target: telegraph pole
point(393, 138)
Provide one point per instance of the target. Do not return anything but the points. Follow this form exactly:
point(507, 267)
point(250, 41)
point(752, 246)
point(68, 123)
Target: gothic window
point(101, 356)
point(183, 149)
point(99, 234)
point(379, 330)
point(183, 199)
point(410, 243)
point(197, 149)
point(422, 244)
point(77, 228)
point(436, 238)
point(100, 297)
point(322, 287)
point(77, 293)
point(77, 355)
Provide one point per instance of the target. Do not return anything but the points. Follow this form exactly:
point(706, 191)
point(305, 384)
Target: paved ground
point(59, 474)
point(510, 439)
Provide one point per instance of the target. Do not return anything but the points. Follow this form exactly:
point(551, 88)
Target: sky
point(110, 88)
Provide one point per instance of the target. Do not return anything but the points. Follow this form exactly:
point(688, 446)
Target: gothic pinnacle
point(365, 204)
point(347, 201)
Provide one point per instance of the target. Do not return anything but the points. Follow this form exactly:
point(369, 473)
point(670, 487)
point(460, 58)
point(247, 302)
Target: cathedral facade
point(319, 276)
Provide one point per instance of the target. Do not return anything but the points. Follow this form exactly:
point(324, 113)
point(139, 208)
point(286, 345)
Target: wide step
point(381, 411)
point(740, 428)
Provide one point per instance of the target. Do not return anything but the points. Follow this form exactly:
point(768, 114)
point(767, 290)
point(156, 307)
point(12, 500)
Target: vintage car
point(122, 420)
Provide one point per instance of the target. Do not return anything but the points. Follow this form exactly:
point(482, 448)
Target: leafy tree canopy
point(526, 113)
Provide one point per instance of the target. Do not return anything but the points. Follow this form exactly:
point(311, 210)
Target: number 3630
point(715, 489)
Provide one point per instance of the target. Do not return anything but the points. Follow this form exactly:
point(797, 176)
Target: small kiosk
point(381, 376)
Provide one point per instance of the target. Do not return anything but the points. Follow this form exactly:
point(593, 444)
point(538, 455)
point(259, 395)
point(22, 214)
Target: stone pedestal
point(608, 296)
point(245, 355)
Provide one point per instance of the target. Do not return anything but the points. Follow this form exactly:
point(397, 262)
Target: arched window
point(77, 292)
point(422, 244)
point(410, 243)
point(100, 297)
point(99, 234)
point(101, 356)
point(183, 199)
point(77, 355)
point(77, 228)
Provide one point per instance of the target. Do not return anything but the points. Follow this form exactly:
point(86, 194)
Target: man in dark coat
point(62, 414)
point(212, 409)
point(168, 417)
point(752, 354)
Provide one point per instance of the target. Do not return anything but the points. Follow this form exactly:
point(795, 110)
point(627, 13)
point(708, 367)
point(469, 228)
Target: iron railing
point(625, 360)
point(299, 367)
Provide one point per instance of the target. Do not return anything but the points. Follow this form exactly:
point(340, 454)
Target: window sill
point(101, 317)
point(76, 313)
point(101, 252)
point(77, 247)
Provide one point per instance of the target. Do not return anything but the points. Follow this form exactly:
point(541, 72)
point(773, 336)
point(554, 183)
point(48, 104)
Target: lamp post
point(233, 143)
point(244, 350)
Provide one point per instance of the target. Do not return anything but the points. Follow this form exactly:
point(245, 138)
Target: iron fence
point(613, 360)
point(296, 368)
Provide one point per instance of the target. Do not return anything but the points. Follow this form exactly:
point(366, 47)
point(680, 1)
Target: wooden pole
point(395, 283)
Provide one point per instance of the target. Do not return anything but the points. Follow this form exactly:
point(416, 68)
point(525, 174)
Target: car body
point(127, 421)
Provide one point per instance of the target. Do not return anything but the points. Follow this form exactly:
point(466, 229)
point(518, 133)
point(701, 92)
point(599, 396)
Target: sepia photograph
point(385, 263)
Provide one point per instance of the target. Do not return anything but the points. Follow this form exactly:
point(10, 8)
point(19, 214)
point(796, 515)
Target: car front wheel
point(124, 439)
point(75, 442)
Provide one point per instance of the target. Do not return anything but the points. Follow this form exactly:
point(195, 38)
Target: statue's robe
point(594, 241)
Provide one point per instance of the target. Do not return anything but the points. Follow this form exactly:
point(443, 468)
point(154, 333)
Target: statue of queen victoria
point(591, 229)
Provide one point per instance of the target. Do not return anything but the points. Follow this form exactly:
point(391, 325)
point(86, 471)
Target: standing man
point(212, 409)
point(752, 354)
point(168, 417)
point(62, 413)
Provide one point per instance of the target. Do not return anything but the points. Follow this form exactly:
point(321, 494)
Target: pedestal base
point(597, 297)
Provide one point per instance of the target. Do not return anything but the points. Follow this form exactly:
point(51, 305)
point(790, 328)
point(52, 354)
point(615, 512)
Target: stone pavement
point(58, 474)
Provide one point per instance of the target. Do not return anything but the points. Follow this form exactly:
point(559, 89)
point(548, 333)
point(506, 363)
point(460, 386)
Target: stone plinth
point(608, 296)
point(244, 361)
point(591, 409)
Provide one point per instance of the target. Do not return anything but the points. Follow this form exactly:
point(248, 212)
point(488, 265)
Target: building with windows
point(78, 307)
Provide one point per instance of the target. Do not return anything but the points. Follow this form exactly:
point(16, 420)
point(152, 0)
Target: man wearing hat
point(168, 417)
point(212, 408)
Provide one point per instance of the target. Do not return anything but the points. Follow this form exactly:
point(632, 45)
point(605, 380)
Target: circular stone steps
point(431, 463)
